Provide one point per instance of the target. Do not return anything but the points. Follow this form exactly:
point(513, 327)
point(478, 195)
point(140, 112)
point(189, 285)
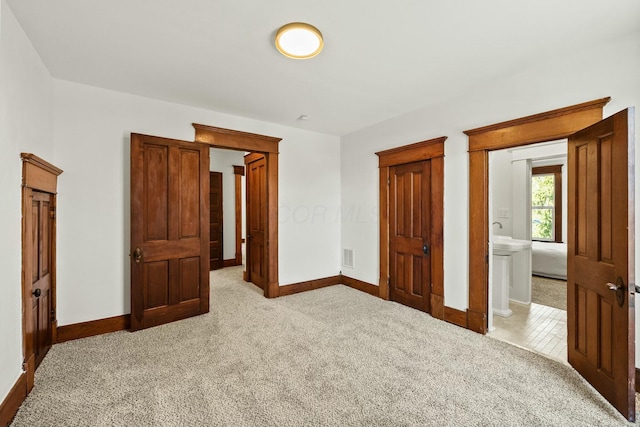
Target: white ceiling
point(381, 58)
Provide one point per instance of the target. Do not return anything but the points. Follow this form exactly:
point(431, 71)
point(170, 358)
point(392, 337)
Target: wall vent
point(347, 258)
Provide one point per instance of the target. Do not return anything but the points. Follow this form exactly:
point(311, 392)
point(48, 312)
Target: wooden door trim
point(424, 150)
point(238, 171)
point(235, 139)
point(269, 146)
point(39, 175)
point(94, 327)
point(432, 149)
point(253, 157)
point(547, 126)
point(11, 403)
point(529, 129)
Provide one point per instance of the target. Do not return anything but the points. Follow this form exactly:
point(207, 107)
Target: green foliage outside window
point(542, 207)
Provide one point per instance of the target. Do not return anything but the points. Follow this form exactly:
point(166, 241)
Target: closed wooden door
point(216, 248)
point(600, 273)
point(409, 232)
point(169, 230)
point(256, 218)
point(41, 221)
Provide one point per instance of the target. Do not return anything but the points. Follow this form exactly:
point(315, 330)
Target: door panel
point(169, 230)
point(189, 271)
point(156, 184)
point(189, 194)
point(409, 222)
point(601, 327)
point(42, 307)
point(156, 283)
point(256, 219)
point(216, 248)
point(35, 237)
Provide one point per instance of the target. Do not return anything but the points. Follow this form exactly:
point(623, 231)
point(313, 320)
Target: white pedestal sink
point(505, 245)
point(503, 248)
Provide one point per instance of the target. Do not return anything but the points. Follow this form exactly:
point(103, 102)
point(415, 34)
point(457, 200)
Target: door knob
point(37, 292)
point(619, 289)
point(425, 249)
point(612, 286)
point(137, 255)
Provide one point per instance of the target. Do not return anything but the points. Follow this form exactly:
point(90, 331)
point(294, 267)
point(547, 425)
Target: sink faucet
point(500, 224)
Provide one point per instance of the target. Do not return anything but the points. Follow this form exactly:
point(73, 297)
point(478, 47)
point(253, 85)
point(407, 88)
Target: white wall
point(92, 128)
point(26, 125)
point(223, 161)
point(610, 69)
point(521, 198)
point(500, 192)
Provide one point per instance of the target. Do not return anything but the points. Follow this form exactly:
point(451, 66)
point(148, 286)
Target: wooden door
point(39, 324)
point(41, 219)
point(409, 232)
point(600, 273)
point(216, 248)
point(256, 218)
point(169, 230)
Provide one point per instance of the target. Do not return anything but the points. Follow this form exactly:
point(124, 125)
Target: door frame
point(267, 145)
point(432, 149)
point(40, 175)
point(547, 126)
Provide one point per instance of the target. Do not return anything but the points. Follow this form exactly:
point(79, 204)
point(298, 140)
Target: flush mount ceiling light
point(298, 40)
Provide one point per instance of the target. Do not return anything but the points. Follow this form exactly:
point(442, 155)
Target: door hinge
point(53, 315)
point(388, 181)
point(52, 212)
point(486, 259)
point(388, 281)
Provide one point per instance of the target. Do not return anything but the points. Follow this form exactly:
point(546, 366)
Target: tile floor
point(535, 327)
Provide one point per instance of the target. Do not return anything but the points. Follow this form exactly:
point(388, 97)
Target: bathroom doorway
point(600, 160)
point(528, 265)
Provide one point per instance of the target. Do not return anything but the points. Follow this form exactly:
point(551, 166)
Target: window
point(546, 203)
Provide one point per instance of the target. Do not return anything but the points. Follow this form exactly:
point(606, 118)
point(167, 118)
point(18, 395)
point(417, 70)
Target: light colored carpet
point(549, 292)
point(334, 356)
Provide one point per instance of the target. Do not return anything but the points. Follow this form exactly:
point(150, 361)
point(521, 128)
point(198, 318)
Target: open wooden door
point(169, 230)
point(600, 259)
point(216, 247)
point(256, 218)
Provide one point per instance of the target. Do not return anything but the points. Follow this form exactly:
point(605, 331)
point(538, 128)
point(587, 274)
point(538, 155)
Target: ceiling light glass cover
point(299, 40)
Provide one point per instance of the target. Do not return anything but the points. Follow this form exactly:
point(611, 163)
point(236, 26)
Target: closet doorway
point(600, 264)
